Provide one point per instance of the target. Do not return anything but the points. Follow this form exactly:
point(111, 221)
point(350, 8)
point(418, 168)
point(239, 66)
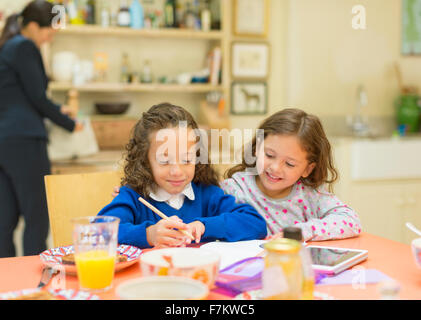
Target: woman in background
point(23, 138)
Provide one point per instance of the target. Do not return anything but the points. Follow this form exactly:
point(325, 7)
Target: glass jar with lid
point(282, 276)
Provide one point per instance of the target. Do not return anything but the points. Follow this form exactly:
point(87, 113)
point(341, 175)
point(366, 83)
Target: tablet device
point(330, 260)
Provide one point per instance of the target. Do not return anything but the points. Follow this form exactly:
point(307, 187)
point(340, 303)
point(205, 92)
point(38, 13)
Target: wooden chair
point(76, 195)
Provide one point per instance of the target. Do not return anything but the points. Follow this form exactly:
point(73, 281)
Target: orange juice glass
point(95, 244)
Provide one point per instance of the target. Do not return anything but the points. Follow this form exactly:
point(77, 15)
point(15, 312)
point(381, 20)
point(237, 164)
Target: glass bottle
point(123, 16)
point(205, 17)
point(125, 69)
point(189, 17)
point(105, 16)
point(90, 12)
point(136, 15)
point(147, 72)
point(169, 14)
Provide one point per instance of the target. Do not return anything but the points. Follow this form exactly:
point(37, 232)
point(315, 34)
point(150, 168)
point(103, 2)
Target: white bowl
point(416, 251)
point(195, 263)
point(162, 288)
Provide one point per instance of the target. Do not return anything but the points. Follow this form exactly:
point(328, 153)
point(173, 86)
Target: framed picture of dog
point(248, 98)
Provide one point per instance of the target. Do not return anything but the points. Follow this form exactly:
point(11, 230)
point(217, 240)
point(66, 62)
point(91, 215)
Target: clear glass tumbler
point(95, 244)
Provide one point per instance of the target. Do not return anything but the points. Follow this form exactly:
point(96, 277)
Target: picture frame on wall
point(251, 18)
point(411, 33)
point(250, 60)
point(248, 98)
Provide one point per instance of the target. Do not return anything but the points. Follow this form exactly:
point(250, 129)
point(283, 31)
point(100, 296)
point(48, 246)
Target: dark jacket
point(23, 85)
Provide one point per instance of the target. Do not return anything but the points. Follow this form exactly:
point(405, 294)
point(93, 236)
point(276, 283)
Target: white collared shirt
point(173, 200)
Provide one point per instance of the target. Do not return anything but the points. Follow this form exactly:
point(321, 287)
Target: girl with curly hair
point(162, 165)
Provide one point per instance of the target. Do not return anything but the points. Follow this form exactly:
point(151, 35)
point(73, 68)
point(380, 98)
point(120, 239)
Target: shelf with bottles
point(169, 18)
point(97, 30)
point(135, 87)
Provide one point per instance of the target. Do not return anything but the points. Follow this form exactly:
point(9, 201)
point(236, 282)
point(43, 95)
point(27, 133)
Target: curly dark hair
point(137, 169)
point(309, 130)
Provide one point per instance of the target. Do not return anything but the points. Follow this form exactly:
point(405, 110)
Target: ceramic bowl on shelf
point(162, 288)
point(195, 263)
point(112, 107)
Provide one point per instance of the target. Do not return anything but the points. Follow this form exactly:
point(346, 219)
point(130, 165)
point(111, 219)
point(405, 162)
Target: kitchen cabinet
point(170, 51)
point(383, 205)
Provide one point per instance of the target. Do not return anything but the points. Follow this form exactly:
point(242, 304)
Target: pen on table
point(163, 216)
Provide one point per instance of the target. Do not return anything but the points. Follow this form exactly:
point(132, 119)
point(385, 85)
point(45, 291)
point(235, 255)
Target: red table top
point(390, 257)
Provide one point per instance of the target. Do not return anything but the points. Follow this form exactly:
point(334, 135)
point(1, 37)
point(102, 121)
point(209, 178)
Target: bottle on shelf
point(190, 17)
point(170, 14)
point(105, 16)
point(123, 16)
point(90, 12)
point(205, 17)
point(147, 72)
point(136, 15)
point(179, 13)
point(125, 69)
point(74, 13)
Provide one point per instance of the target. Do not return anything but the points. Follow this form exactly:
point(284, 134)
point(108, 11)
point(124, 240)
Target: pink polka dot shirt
point(320, 214)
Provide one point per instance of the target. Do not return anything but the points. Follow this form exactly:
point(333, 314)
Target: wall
point(277, 38)
point(328, 59)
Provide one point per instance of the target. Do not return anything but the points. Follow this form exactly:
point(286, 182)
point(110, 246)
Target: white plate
point(52, 257)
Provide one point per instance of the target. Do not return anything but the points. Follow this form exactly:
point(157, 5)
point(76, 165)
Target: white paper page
point(231, 252)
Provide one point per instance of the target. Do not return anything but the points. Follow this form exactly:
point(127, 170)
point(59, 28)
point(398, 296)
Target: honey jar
point(282, 277)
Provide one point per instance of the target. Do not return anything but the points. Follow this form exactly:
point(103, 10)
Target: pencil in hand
point(163, 216)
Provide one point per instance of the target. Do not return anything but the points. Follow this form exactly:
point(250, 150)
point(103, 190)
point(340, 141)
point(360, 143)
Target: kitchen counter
point(104, 160)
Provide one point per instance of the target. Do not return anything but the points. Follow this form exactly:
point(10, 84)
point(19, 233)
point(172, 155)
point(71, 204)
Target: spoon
point(412, 228)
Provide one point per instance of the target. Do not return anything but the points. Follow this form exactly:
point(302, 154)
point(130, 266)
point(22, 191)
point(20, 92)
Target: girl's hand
point(116, 192)
point(162, 234)
point(197, 229)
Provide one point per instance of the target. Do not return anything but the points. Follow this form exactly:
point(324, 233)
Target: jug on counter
point(408, 111)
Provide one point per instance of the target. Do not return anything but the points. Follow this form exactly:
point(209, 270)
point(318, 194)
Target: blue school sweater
point(223, 218)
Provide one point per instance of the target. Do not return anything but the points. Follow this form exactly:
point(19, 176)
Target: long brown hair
point(137, 169)
point(310, 133)
point(39, 11)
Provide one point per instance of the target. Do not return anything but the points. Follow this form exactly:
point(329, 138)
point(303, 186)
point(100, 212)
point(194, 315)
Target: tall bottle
point(123, 16)
point(190, 17)
point(205, 17)
point(105, 16)
point(90, 12)
point(147, 72)
point(308, 273)
point(136, 15)
point(72, 12)
point(125, 69)
point(169, 14)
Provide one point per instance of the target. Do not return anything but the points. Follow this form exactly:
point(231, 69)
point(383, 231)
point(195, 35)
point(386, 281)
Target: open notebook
point(231, 252)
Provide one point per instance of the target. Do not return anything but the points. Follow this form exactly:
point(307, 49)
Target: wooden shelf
point(135, 87)
point(147, 33)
